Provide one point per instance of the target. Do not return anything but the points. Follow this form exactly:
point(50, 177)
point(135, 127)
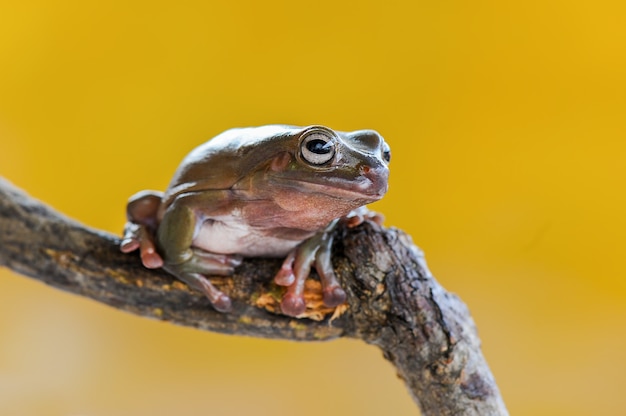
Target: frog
point(275, 191)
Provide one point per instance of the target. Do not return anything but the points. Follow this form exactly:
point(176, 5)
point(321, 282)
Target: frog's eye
point(387, 153)
point(317, 148)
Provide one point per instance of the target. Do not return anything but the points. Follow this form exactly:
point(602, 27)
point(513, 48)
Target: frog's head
point(355, 163)
point(319, 168)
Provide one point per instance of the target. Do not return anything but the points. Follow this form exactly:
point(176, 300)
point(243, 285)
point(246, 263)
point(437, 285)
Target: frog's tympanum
point(272, 191)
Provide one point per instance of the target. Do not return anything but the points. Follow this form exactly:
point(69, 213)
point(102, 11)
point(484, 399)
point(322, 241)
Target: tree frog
point(270, 191)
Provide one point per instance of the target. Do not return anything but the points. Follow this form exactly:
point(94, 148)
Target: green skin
point(271, 191)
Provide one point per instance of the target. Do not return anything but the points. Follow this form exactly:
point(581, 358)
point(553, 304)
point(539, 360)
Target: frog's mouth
point(361, 188)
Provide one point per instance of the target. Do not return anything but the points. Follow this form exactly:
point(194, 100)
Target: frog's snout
point(377, 178)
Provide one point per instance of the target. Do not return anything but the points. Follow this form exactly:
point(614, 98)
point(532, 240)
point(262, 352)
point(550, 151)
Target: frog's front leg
point(175, 235)
point(315, 251)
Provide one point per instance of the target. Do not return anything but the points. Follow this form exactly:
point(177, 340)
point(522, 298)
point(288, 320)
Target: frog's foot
point(201, 264)
point(141, 213)
point(360, 215)
point(296, 268)
point(137, 236)
point(218, 299)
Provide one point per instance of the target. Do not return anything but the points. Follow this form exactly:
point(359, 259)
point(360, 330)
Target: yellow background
point(508, 128)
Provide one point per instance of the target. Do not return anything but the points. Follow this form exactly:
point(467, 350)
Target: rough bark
point(393, 300)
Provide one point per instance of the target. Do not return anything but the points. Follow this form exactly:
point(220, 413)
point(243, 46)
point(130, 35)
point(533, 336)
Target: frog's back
point(222, 161)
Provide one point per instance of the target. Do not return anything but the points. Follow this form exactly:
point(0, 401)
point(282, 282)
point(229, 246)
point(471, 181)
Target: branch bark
point(393, 300)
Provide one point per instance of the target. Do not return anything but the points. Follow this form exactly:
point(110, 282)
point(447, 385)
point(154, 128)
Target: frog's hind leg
point(201, 264)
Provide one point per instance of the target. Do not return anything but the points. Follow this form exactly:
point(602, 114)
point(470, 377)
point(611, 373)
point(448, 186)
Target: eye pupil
point(319, 146)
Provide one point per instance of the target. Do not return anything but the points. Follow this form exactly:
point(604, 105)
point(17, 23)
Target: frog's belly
point(236, 238)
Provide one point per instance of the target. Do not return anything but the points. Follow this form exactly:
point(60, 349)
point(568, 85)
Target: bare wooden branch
point(393, 300)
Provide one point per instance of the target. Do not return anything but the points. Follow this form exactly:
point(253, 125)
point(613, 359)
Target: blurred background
point(508, 128)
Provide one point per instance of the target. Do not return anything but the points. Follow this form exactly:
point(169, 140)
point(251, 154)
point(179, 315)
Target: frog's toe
point(376, 217)
point(129, 245)
point(286, 275)
point(138, 237)
point(222, 303)
point(358, 216)
point(233, 260)
point(150, 258)
point(131, 239)
point(332, 293)
point(334, 296)
point(292, 304)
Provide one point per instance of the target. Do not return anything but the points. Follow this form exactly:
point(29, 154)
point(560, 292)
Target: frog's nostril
point(365, 169)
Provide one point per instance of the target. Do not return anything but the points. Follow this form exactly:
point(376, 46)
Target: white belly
point(233, 237)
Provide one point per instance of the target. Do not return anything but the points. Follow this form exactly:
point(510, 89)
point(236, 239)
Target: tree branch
point(393, 300)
